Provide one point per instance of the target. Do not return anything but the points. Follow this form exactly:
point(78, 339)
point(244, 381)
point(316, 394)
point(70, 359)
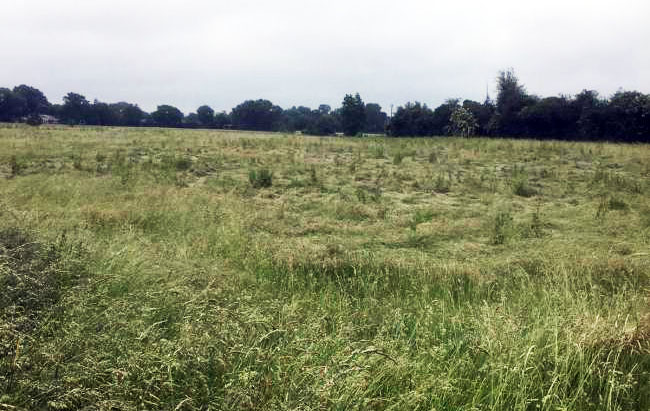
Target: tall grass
point(368, 292)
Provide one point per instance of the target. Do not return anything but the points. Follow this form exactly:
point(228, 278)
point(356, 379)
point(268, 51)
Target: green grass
point(180, 269)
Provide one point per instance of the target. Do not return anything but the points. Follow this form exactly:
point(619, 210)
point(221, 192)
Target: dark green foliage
point(625, 116)
point(75, 109)
point(168, 116)
point(221, 119)
point(35, 101)
point(376, 120)
point(482, 112)
point(126, 114)
point(33, 120)
point(205, 116)
point(353, 115)
point(259, 115)
point(511, 99)
point(414, 119)
point(183, 163)
point(260, 178)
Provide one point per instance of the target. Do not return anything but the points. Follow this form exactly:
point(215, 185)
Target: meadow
point(145, 268)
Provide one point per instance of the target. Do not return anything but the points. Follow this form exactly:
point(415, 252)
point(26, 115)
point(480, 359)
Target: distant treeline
point(624, 116)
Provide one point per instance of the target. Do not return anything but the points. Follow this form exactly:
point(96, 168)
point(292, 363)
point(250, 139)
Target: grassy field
point(187, 269)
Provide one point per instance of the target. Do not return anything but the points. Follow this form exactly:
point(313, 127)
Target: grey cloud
point(295, 52)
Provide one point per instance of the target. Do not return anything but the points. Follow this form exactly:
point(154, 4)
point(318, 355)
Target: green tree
point(127, 114)
point(257, 115)
point(167, 116)
point(462, 122)
point(482, 112)
point(413, 119)
point(35, 100)
point(75, 108)
point(221, 119)
point(12, 106)
point(441, 117)
point(206, 115)
point(375, 118)
point(511, 99)
point(353, 114)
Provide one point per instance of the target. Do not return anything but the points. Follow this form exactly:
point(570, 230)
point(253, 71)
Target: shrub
point(617, 204)
point(34, 120)
point(521, 187)
point(261, 178)
point(182, 164)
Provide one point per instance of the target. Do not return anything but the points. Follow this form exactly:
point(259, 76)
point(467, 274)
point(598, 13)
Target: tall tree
point(553, 117)
point(590, 123)
point(482, 112)
point(353, 114)
point(127, 114)
point(100, 114)
point(75, 108)
point(441, 117)
point(627, 116)
point(221, 119)
point(511, 99)
point(462, 122)
point(205, 115)
point(167, 116)
point(12, 106)
point(257, 115)
point(35, 100)
point(375, 119)
point(413, 119)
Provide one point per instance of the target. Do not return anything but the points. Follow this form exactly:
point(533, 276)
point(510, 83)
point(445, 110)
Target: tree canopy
point(624, 116)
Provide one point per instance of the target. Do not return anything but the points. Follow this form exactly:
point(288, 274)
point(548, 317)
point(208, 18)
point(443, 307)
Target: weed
point(420, 216)
point(261, 178)
point(374, 294)
point(501, 227)
point(77, 163)
point(313, 176)
point(398, 157)
point(378, 151)
point(442, 185)
point(616, 203)
point(15, 166)
point(182, 163)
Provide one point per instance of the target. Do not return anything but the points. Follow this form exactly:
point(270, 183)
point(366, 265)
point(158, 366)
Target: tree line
point(624, 116)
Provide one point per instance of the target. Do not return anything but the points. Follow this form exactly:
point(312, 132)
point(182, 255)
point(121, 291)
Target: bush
point(521, 187)
point(34, 120)
point(261, 178)
point(182, 164)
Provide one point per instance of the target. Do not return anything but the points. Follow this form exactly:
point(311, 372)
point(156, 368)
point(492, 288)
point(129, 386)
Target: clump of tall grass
point(442, 184)
point(15, 166)
point(610, 202)
point(378, 150)
point(398, 157)
point(501, 227)
point(261, 178)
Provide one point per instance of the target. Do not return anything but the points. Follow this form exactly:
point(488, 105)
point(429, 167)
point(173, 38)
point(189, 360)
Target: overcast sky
point(303, 52)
